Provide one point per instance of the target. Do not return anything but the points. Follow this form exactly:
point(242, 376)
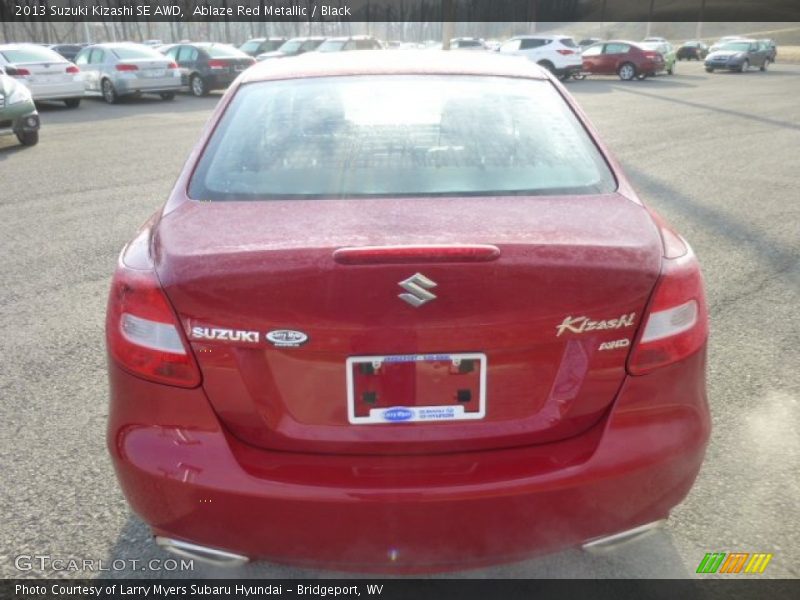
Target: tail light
point(565, 52)
point(143, 333)
point(172, 65)
point(73, 69)
point(251, 61)
point(676, 324)
point(17, 71)
point(126, 67)
point(216, 63)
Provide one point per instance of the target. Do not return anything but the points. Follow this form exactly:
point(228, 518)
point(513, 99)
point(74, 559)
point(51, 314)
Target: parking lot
point(717, 154)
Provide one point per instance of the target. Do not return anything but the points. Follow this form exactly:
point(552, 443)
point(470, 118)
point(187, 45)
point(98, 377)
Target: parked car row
point(636, 60)
point(34, 72)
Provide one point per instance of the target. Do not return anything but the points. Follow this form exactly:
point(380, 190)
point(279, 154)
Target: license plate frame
point(407, 413)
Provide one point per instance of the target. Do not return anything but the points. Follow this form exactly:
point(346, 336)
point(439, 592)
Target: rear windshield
point(736, 46)
point(291, 46)
point(568, 42)
point(398, 136)
point(134, 52)
point(223, 51)
point(331, 45)
point(31, 55)
point(250, 46)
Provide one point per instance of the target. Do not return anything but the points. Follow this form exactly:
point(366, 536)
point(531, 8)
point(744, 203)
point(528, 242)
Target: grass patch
point(789, 54)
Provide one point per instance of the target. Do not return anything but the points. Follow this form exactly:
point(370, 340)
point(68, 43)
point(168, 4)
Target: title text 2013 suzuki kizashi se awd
point(403, 311)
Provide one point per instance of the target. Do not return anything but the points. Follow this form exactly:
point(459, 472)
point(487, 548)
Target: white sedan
point(47, 74)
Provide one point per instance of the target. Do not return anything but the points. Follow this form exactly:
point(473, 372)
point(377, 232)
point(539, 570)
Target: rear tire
point(72, 102)
point(198, 86)
point(167, 95)
point(28, 138)
point(546, 64)
point(626, 71)
point(109, 93)
point(745, 66)
point(765, 65)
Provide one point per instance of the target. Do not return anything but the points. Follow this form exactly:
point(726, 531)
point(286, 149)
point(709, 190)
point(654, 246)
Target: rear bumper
point(190, 480)
point(220, 81)
point(653, 67)
point(58, 91)
point(569, 70)
point(152, 86)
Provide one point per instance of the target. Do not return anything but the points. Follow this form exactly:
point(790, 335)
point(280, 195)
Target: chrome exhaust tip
point(615, 540)
point(219, 558)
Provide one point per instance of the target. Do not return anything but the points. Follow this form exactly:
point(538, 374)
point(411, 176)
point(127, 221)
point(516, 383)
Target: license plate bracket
point(413, 388)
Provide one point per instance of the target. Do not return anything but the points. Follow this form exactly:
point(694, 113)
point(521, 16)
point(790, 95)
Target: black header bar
point(400, 10)
point(400, 589)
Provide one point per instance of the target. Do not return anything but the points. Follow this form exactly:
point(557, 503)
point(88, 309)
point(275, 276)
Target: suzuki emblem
point(417, 287)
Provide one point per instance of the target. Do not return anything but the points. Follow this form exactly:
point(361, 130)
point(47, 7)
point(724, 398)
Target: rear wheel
point(745, 66)
point(28, 138)
point(72, 102)
point(198, 86)
point(626, 72)
point(547, 65)
point(109, 93)
point(167, 95)
point(765, 65)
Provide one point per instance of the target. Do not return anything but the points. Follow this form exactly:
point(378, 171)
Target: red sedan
point(403, 313)
point(626, 59)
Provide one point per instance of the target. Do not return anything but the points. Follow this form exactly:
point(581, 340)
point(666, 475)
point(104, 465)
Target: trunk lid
point(148, 67)
point(44, 73)
point(552, 315)
point(230, 65)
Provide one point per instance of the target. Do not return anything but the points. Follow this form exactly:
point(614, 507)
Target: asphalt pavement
point(717, 154)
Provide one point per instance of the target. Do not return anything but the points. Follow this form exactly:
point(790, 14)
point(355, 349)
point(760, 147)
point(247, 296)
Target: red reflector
point(565, 52)
point(124, 67)
point(216, 63)
point(172, 65)
point(73, 69)
point(415, 254)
